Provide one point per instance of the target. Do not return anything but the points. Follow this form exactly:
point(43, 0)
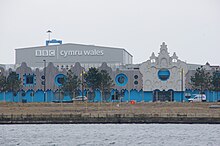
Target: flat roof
point(75, 44)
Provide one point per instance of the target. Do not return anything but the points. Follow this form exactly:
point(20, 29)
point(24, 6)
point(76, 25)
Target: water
point(111, 134)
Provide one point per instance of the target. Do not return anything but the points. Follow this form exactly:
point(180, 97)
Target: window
point(60, 79)
point(164, 74)
point(43, 77)
point(29, 80)
point(174, 60)
point(135, 82)
point(136, 76)
point(121, 79)
point(153, 60)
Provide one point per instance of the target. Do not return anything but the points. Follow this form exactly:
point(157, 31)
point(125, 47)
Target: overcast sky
point(191, 28)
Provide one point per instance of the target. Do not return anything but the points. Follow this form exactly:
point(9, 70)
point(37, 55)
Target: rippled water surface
point(111, 134)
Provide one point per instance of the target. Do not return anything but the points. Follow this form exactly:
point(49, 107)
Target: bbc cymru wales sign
point(44, 53)
point(94, 52)
point(66, 53)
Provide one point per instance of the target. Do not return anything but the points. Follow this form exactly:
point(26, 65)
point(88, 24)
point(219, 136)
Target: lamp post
point(182, 85)
point(44, 79)
point(82, 84)
point(49, 32)
point(218, 75)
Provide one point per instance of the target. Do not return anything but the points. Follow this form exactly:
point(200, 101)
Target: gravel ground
point(110, 108)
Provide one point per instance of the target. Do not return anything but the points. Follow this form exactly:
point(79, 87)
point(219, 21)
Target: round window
point(135, 82)
point(136, 76)
point(121, 79)
point(164, 74)
point(43, 77)
point(60, 79)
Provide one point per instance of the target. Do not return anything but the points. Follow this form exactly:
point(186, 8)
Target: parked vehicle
point(198, 98)
point(80, 98)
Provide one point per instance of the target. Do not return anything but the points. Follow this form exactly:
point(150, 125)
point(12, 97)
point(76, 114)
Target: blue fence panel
point(67, 98)
point(215, 99)
point(39, 96)
point(218, 96)
point(126, 96)
point(49, 96)
point(140, 96)
point(97, 96)
point(178, 96)
point(2, 94)
point(135, 95)
point(209, 96)
point(148, 96)
point(212, 97)
point(9, 97)
point(17, 98)
point(132, 95)
point(27, 96)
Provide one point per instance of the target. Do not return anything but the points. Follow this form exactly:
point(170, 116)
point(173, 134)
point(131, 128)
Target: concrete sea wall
point(109, 119)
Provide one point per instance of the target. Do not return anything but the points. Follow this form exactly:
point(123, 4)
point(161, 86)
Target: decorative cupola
point(207, 63)
point(174, 58)
point(163, 57)
point(163, 47)
point(153, 58)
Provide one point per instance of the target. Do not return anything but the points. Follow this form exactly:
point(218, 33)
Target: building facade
point(66, 55)
point(160, 78)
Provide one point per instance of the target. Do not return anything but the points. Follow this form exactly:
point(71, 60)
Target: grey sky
point(190, 28)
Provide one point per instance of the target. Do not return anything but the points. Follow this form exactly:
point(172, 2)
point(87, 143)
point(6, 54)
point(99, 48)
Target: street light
point(82, 83)
point(44, 79)
point(182, 84)
point(218, 75)
point(49, 32)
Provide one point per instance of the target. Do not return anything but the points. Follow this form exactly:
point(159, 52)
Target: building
point(66, 55)
point(160, 78)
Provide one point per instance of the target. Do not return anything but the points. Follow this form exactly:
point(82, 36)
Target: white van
point(198, 98)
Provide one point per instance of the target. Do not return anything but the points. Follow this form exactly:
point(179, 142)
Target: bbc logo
point(44, 53)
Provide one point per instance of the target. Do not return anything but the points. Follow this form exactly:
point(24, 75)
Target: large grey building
point(66, 55)
point(162, 77)
point(164, 72)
